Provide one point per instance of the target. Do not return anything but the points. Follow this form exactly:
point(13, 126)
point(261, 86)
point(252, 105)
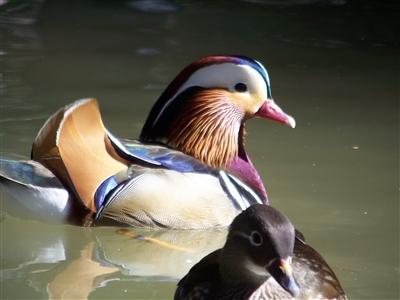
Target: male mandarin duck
point(263, 258)
point(188, 169)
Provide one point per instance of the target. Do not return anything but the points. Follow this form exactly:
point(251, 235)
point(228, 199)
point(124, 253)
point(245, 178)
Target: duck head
point(259, 245)
point(203, 111)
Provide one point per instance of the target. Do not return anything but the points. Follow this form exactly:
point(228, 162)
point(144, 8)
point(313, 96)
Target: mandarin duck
point(264, 257)
point(188, 169)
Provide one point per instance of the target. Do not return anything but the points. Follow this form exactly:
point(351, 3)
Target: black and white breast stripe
point(241, 195)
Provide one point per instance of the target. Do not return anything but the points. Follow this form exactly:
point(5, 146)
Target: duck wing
point(135, 183)
point(197, 284)
point(73, 144)
point(166, 188)
point(313, 274)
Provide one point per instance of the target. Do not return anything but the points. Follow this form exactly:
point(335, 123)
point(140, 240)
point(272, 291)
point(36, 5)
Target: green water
point(333, 68)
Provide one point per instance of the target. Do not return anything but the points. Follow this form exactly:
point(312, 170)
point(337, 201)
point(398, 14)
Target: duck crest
point(199, 119)
point(180, 85)
point(175, 86)
point(206, 124)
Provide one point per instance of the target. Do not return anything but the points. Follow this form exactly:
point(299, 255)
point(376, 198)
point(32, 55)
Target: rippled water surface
point(332, 67)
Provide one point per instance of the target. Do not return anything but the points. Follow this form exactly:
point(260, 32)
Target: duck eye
point(241, 87)
point(256, 238)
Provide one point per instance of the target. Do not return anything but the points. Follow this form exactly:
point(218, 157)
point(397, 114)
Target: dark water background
point(334, 66)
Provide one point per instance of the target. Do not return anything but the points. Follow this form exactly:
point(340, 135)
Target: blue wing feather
point(159, 155)
point(103, 190)
point(28, 173)
point(30, 191)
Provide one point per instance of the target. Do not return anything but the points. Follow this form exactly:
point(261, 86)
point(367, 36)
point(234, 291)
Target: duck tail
point(31, 191)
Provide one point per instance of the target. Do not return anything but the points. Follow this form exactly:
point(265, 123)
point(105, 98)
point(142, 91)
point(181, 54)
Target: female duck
point(189, 169)
point(261, 260)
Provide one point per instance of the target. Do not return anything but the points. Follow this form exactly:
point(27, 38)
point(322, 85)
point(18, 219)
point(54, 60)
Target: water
point(334, 68)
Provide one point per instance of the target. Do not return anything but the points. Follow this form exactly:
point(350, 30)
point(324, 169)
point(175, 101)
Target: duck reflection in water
point(100, 255)
point(70, 262)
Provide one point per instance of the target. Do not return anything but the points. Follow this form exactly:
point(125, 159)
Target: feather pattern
point(207, 128)
point(157, 163)
point(39, 193)
point(242, 270)
point(128, 203)
point(80, 135)
point(194, 133)
point(157, 155)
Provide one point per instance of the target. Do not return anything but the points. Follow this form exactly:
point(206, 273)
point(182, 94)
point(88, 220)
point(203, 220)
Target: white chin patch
point(256, 269)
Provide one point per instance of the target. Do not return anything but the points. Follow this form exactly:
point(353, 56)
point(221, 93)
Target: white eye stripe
point(241, 233)
point(225, 75)
point(250, 237)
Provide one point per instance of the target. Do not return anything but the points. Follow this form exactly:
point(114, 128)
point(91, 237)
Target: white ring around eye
point(256, 238)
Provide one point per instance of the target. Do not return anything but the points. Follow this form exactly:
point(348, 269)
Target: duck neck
point(209, 127)
point(217, 138)
point(242, 167)
point(235, 273)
